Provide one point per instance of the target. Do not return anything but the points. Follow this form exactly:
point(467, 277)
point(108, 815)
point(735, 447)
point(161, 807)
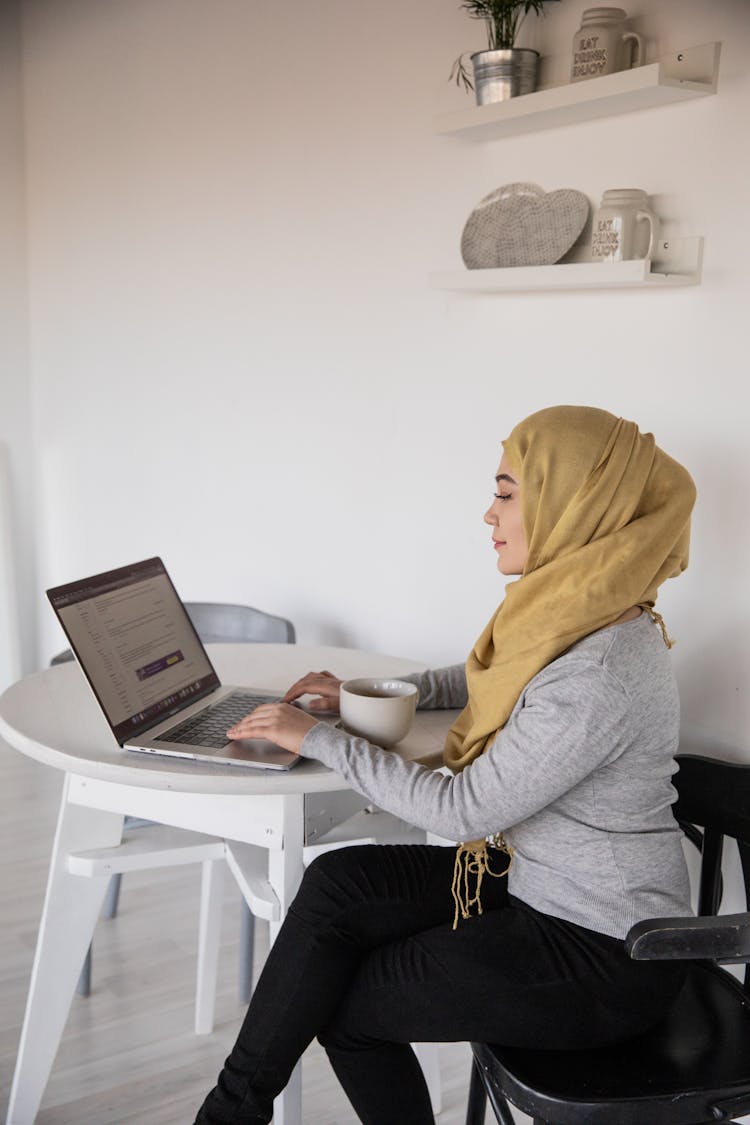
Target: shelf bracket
point(678, 256)
point(693, 64)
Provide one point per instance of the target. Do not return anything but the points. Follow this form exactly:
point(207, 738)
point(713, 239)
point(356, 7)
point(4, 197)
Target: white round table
point(259, 820)
point(53, 717)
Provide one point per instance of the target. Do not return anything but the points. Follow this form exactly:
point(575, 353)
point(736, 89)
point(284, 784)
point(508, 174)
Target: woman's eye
point(502, 495)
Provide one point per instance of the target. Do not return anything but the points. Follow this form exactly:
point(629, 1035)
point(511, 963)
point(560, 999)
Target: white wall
point(238, 362)
point(17, 585)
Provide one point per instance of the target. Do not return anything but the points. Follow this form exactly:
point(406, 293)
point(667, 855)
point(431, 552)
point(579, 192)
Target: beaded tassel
point(657, 617)
point(472, 860)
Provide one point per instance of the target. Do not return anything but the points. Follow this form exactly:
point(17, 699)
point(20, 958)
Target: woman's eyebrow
point(505, 476)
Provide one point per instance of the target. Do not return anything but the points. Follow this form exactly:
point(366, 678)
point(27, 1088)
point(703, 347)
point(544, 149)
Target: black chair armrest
point(725, 939)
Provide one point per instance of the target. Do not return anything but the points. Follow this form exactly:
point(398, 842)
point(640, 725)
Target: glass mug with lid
point(624, 227)
point(603, 45)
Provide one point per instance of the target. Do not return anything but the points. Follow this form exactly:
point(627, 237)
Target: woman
point(561, 759)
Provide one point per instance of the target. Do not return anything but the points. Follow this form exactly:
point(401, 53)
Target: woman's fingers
point(261, 718)
point(278, 722)
point(297, 689)
point(323, 684)
point(312, 680)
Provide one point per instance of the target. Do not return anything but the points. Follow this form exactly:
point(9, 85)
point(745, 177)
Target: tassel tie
point(659, 620)
point(472, 862)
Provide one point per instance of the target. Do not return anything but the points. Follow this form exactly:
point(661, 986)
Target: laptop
point(150, 672)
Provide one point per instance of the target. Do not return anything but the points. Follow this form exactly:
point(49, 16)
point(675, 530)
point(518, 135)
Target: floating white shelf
point(676, 261)
point(679, 76)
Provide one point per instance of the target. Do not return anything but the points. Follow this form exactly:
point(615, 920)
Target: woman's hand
point(323, 684)
point(286, 725)
point(282, 724)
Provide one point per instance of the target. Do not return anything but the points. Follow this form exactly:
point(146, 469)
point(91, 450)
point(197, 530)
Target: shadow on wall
point(711, 701)
point(10, 650)
point(713, 671)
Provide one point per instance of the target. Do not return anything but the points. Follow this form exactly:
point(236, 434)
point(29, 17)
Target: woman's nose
point(490, 516)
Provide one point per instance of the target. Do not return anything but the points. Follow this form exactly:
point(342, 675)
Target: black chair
point(694, 1067)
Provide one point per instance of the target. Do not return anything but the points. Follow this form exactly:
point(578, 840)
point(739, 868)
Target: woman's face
point(505, 519)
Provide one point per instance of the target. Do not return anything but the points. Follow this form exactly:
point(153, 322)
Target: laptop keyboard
point(209, 728)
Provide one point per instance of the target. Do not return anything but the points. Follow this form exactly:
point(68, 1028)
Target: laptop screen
point(136, 645)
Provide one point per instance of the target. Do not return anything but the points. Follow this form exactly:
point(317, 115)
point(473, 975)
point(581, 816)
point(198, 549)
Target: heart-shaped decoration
point(523, 225)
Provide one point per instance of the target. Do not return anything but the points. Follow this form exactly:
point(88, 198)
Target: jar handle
point(636, 54)
point(651, 220)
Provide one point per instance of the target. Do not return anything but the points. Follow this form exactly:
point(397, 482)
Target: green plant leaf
point(503, 18)
point(460, 73)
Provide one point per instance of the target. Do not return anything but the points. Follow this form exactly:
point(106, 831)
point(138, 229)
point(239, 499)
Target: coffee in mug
point(379, 710)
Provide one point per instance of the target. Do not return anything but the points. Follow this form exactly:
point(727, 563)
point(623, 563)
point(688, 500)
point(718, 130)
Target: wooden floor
point(129, 1055)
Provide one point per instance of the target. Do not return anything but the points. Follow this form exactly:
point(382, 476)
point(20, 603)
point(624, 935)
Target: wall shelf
point(678, 76)
point(676, 261)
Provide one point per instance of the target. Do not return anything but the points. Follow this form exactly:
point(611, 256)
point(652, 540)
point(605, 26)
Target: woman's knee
point(334, 881)
point(390, 889)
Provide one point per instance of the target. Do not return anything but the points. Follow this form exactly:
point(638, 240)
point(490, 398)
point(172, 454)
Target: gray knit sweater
point(579, 780)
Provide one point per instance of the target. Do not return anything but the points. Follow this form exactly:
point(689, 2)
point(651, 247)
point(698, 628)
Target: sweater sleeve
point(440, 688)
point(567, 723)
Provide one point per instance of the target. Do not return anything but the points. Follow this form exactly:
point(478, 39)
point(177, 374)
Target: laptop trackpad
point(258, 750)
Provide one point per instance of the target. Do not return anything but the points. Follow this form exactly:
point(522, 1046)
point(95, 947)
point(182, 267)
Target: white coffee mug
point(381, 711)
point(602, 45)
point(624, 227)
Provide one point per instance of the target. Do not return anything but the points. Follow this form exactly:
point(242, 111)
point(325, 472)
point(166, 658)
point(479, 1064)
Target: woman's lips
point(498, 543)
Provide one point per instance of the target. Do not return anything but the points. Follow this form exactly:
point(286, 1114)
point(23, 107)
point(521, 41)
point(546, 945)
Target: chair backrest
point(715, 797)
point(219, 622)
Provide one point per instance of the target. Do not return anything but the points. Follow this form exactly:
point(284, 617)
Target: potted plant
point(503, 70)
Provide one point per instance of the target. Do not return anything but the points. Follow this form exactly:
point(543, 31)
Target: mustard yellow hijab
point(607, 518)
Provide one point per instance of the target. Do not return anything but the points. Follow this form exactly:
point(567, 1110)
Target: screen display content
point(136, 643)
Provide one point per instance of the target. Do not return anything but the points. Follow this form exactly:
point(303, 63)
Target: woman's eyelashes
point(503, 495)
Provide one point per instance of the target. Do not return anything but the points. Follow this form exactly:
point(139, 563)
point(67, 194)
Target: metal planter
point(499, 75)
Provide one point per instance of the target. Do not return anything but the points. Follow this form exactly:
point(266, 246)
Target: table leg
point(71, 907)
point(212, 896)
point(285, 868)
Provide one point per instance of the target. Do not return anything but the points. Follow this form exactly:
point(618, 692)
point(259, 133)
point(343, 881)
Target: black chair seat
point(697, 1056)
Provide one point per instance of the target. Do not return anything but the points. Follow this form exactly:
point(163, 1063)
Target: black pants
point(368, 962)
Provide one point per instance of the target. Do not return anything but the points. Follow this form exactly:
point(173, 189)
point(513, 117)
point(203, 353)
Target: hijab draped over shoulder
point(607, 518)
